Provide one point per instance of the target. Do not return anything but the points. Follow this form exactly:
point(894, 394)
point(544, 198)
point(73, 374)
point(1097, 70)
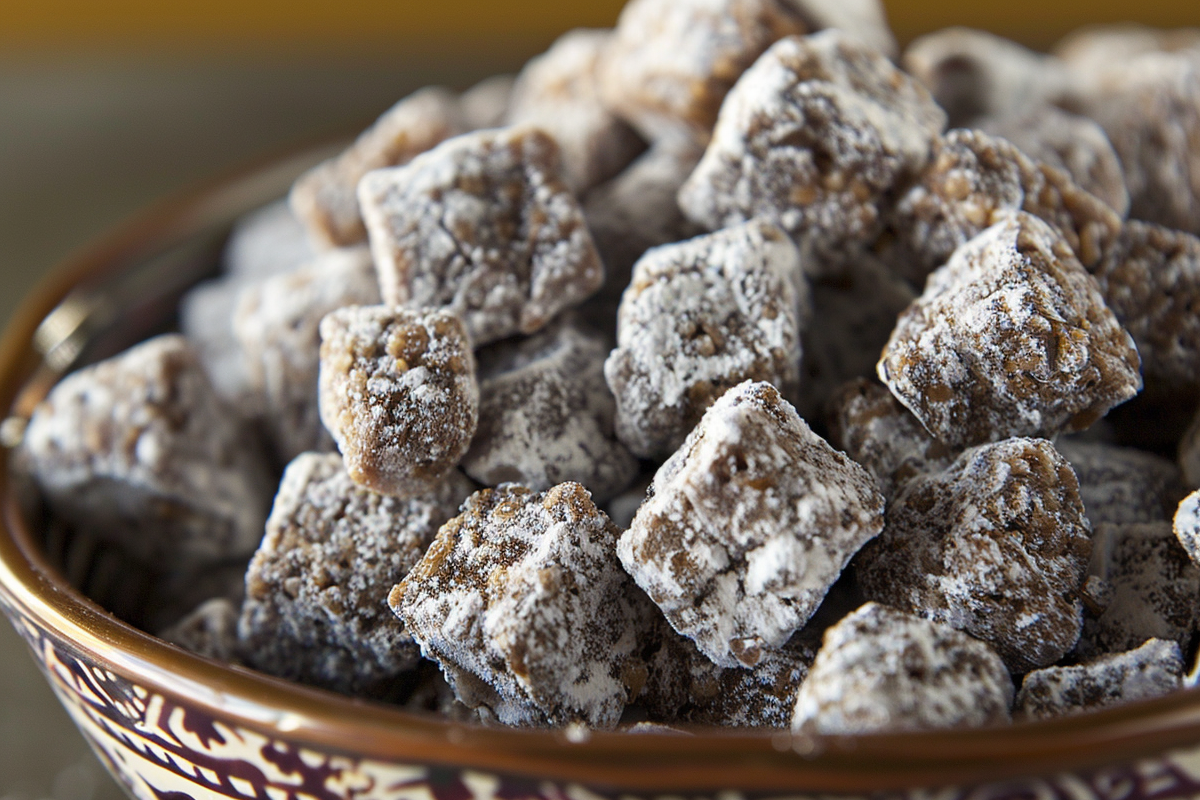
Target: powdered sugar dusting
point(1010, 338)
point(880, 669)
point(700, 317)
point(1152, 670)
point(482, 225)
point(996, 545)
point(811, 137)
point(546, 415)
point(747, 526)
point(140, 450)
point(524, 606)
point(316, 590)
point(398, 394)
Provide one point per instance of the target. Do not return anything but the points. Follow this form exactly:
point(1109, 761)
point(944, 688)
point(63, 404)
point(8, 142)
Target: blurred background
point(108, 106)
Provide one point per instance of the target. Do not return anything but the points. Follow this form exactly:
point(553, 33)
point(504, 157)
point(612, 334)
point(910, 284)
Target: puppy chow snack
point(1186, 523)
point(631, 213)
point(1150, 108)
point(974, 181)
point(324, 198)
point(277, 322)
point(683, 686)
point(210, 631)
point(1069, 142)
point(140, 450)
point(1152, 670)
point(523, 604)
point(747, 526)
point(671, 62)
point(266, 242)
point(855, 303)
point(397, 391)
point(1091, 52)
point(996, 545)
point(316, 591)
point(1155, 589)
point(813, 136)
point(1151, 281)
point(558, 91)
point(974, 74)
point(1010, 338)
point(1122, 485)
point(485, 105)
point(546, 415)
point(484, 226)
point(700, 317)
point(873, 428)
point(880, 669)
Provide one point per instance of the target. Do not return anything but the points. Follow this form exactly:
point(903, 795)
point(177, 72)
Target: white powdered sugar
point(140, 449)
point(880, 669)
point(812, 137)
point(397, 391)
point(484, 226)
point(277, 321)
point(996, 545)
point(747, 526)
point(1152, 670)
point(1010, 338)
point(521, 601)
point(316, 590)
point(546, 415)
point(700, 317)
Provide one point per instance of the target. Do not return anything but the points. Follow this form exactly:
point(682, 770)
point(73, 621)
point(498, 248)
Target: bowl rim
point(710, 760)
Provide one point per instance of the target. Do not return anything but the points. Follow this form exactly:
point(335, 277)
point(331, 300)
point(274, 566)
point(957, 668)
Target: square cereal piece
point(1155, 589)
point(546, 415)
point(1123, 485)
point(1152, 670)
point(974, 74)
point(521, 601)
point(873, 428)
point(700, 317)
point(1010, 338)
point(1150, 278)
point(558, 92)
point(814, 136)
point(324, 197)
point(1068, 142)
point(397, 391)
point(485, 226)
point(974, 181)
point(1149, 105)
point(747, 526)
point(671, 62)
point(316, 590)
point(996, 545)
point(140, 450)
point(880, 669)
point(277, 323)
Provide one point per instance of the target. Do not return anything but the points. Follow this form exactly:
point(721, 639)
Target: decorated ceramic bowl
point(172, 725)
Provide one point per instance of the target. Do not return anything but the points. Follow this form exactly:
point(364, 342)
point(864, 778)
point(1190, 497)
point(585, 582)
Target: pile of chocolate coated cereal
point(717, 369)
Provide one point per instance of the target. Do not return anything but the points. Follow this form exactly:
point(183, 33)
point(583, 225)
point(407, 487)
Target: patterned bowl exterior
point(170, 725)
